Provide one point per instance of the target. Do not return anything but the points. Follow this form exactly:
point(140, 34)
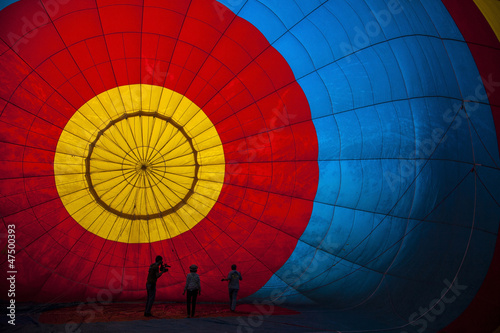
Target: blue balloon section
point(405, 213)
point(5, 3)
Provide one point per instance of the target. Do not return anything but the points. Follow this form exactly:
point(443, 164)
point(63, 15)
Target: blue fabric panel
point(5, 3)
point(397, 210)
point(263, 19)
point(297, 55)
point(319, 100)
point(328, 193)
point(314, 42)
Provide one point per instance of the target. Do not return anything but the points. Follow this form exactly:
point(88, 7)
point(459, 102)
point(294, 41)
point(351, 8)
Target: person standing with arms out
point(155, 271)
point(193, 288)
point(234, 278)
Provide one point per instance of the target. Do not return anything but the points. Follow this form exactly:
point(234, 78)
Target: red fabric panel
point(88, 26)
point(199, 34)
point(276, 210)
point(45, 193)
point(120, 18)
point(71, 95)
point(51, 74)
point(45, 40)
point(180, 7)
point(276, 67)
point(81, 53)
point(38, 155)
point(10, 60)
point(40, 141)
point(11, 152)
point(57, 8)
point(115, 46)
point(161, 21)
point(82, 88)
point(253, 46)
point(305, 173)
point(482, 313)
point(236, 59)
point(94, 78)
point(37, 169)
point(64, 63)
point(61, 104)
point(12, 134)
point(26, 100)
point(251, 222)
point(14, 203)
point(10, 169)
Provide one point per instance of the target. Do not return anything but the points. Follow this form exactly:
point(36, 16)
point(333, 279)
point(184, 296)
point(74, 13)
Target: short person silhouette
point(193, 288)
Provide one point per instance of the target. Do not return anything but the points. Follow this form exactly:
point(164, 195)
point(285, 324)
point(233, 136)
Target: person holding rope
point(234, 278)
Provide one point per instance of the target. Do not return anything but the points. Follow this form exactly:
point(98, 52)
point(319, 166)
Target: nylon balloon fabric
point(140, 138)
point(343, 153)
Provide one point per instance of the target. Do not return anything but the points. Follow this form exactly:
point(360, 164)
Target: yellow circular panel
point(139, 164)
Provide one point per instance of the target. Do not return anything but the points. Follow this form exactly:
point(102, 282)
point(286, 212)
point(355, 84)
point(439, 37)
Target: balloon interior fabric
point(342, 153)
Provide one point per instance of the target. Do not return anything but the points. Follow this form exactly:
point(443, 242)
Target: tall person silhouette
point(156, 270)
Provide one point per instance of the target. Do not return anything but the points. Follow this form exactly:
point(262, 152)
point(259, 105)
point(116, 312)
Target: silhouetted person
point(155, 271)
point(193, 289)
point(234, 278)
